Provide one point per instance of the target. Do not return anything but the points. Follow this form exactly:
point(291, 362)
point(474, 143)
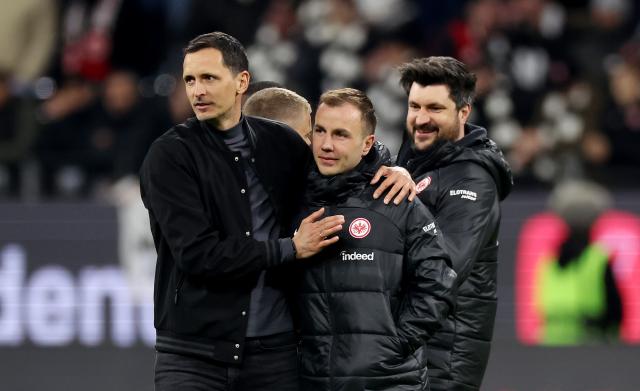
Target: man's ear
point(242, 82)
point(368, 143)
point(463, 114)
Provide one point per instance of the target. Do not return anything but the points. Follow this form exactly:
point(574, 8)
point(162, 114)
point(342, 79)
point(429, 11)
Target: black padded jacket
point(462, 183)
point(368, 303)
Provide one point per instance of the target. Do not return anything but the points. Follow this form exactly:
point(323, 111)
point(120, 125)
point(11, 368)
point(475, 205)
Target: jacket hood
point(475, 147)
point(323, 190)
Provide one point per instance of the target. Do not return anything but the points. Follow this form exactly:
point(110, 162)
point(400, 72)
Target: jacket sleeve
point(468, 212)
point(171, 192)
point(429, 283)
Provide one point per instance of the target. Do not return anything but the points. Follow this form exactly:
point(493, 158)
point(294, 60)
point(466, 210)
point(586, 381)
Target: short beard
point(444, 135)
point(450, 134)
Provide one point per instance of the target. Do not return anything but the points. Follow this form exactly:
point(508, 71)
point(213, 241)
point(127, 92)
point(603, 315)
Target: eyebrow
point(206, 74)
point(430, 104)
point(336, 130)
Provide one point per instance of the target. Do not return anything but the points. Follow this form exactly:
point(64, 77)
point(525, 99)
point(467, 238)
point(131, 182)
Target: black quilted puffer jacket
point(462, 184)
point(368, 303)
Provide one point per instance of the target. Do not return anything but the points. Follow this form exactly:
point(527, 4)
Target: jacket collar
point(212, 137)
point(323, 190)
point(475, 147)
point(443, 152)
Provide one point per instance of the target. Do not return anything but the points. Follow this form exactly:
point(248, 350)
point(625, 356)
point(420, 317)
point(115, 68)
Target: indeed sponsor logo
point(355, 256)
point(466, 194)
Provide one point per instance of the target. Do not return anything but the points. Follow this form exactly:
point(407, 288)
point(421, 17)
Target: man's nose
point(199, 89)
point(423, 117)
point(325, 143)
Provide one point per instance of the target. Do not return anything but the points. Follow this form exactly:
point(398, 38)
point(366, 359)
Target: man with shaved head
point(281, 105)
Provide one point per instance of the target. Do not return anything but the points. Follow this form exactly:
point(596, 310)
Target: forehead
point(345, 116)
point(434, 93)
point(205, 60)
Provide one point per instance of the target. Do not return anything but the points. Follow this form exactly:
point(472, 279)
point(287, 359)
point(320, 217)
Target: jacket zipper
point(178, 286)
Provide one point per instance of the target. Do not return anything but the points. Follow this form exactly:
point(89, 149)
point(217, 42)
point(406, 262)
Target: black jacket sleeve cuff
point(287, 250)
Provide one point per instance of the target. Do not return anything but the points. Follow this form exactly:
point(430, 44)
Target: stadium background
point(86, 85)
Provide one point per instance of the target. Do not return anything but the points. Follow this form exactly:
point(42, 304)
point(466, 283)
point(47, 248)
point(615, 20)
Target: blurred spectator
point(621, 117)
point(542, 62)
point(28, 31)
point(100, 35)
point(384, 89)
point(61, 146)
point(597, 29)
point(89, 142)
point(326, 44)
point(87, 42)
point(280, 53)
point(577, 293)
point(18, 130)
point(179, 106)
point(557, 81)
point(124, 126)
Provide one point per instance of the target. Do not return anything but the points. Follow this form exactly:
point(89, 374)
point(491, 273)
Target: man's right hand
point(312, 234)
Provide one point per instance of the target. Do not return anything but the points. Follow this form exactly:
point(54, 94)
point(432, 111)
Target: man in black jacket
point(461, 176)
point(221, 190)
point(368, 303)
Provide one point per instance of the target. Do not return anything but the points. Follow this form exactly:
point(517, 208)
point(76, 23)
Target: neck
point(227, 120)
point(460, 133)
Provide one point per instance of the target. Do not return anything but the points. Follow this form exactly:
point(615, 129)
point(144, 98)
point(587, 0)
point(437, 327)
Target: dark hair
point(440, 70)
point(357, 98)
point(233, 54)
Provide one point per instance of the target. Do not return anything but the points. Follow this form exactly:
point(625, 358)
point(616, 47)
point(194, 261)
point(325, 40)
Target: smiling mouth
point(426, 130)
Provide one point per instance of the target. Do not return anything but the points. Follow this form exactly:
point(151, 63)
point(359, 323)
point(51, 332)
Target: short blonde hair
point(359, 99)
point(278, 104)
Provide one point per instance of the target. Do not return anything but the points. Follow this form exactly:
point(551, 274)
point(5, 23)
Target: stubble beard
point(443, 134)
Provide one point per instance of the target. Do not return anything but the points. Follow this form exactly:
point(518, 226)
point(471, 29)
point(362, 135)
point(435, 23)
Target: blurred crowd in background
point(87, 85)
